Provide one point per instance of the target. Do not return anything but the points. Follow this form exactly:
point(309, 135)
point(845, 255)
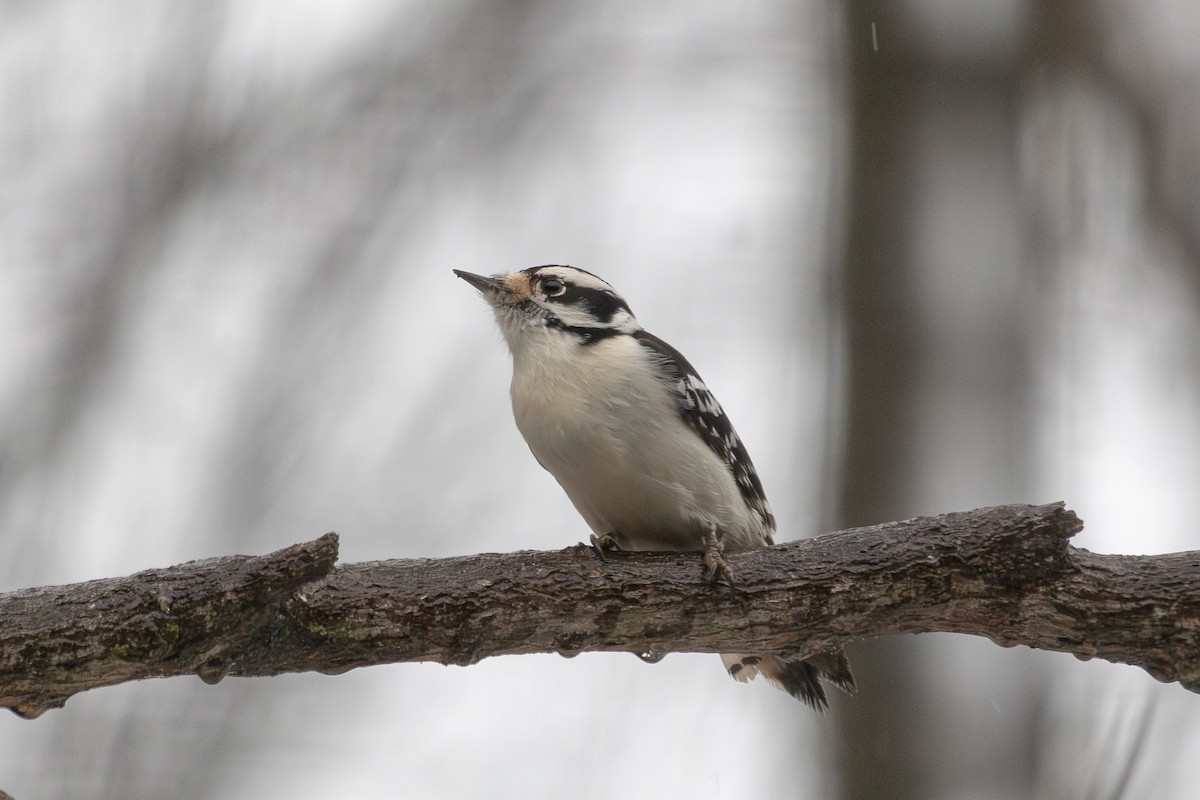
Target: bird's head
point(554, 298)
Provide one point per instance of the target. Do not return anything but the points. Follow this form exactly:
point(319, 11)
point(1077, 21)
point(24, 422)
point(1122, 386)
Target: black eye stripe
point(599, 303)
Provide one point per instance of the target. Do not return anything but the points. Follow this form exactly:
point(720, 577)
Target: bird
point(637, 441)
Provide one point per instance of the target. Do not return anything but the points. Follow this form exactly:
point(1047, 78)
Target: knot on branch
point(200, 616)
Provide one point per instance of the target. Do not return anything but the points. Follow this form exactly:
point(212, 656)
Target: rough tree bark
point(1007, 573)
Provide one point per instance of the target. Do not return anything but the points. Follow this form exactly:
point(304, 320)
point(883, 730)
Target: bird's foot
point(715, 565)
point(603, 544)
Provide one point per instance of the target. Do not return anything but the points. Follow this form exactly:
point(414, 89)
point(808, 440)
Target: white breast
point(597, 418)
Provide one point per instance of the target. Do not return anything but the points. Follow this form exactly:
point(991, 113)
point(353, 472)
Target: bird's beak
point(481, 282)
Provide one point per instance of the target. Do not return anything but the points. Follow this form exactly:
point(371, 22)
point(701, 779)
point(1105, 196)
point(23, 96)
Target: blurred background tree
point(931, 255)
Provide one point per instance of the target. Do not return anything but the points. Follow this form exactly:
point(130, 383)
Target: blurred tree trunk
point(880, 363)
point(923, 117)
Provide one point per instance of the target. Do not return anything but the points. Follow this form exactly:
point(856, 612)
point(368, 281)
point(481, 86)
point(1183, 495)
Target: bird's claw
point(601, 544)
point(715, 565)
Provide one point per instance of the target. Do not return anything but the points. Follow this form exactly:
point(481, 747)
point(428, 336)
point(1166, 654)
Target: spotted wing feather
point(700, 409)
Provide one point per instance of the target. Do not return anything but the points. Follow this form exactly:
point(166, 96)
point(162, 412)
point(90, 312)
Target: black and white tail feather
point(635, 438)
point(799, 677)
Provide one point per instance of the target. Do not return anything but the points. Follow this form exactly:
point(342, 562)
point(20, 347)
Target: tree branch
point(1007, 573)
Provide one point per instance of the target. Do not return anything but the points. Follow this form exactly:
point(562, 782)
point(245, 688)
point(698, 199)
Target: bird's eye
point(553, 287)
